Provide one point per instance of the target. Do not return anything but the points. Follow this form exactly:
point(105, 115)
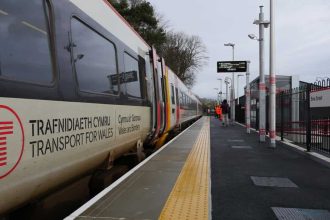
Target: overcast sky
point(302, 35)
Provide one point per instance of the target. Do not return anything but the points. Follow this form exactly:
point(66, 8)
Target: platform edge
point(96, 198)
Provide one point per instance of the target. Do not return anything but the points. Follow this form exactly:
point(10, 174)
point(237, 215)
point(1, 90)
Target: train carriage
point(78, 89)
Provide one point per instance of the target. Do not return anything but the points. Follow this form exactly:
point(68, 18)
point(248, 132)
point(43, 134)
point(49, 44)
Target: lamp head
point(252, 37)
point(229, 44)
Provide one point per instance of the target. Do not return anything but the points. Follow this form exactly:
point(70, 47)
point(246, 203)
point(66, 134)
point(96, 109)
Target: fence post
point(282, 115)
point(309, 124)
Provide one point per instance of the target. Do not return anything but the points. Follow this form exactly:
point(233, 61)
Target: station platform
point(173, 183)
point(252, 181)
point(249, 180)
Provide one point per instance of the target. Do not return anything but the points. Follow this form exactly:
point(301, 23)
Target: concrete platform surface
point(234, 169)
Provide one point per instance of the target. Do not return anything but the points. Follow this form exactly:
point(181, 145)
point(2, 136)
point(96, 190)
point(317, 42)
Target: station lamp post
point(232, 85)
point(217, 95)
point(227, 82)
point(272, 78)
point(262, 86)
point(248, 99)
point(238, 87)
point(220, 92)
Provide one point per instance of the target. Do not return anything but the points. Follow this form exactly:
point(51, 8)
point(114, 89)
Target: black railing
point(297, 119)
point(303, 123)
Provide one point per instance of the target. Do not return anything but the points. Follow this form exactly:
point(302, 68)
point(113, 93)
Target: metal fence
point(300, 121)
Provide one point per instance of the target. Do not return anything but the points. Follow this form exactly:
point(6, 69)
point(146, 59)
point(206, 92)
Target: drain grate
point(273, 181)
point(300, 214)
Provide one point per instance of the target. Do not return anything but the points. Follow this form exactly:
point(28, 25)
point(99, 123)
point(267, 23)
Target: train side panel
point(78, 88)
point(171, 99)
point(51, 142)
point(105, 15)
point(64, 109)
point(188, 104)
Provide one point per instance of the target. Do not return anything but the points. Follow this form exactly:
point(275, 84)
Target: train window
point(184, 100)
point(177, 96)
point(25, 53)
point(143, 75)
point(172, 94)
point(181, 98)
point(163, 88)
point(131, 76)
point(94, 58)
point(161, 80)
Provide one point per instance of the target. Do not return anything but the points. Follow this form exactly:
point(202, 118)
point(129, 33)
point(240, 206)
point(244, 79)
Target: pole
point(237, 89)
point(272, 77)
point(309, 124)
point(237, 94)
point(247, 99)
point(227, 91)
point(220, 89)
point(262, 86)
point(282, 115)
point(233, 91)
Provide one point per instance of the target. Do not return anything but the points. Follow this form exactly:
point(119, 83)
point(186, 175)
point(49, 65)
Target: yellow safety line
point(189, 198)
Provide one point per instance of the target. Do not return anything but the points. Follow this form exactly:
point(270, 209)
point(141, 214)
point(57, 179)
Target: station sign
point(320, 98)
point(231, 66)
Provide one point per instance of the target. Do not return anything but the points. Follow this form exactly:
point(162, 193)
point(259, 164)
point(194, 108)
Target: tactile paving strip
point(273, 181)
point(300, 214)
point(189, 198)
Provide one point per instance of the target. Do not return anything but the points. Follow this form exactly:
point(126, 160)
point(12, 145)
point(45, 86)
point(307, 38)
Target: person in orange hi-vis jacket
point(220, 113)
point(217, 111)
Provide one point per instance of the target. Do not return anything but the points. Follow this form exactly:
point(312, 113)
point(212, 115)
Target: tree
point(208, 103)
point(185, 55)
point(141, 16)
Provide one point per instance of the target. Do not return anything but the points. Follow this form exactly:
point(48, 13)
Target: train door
point(173, 105)
point(171, 99)
point(197, 107)
point(177, 100)
point(157, 96)
point(162, 86)
point(151, 94)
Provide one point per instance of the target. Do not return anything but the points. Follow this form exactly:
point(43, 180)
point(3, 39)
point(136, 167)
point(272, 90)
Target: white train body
point(53, 131)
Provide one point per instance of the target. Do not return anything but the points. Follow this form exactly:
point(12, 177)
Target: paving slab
point(301, 214)
point(273, 181)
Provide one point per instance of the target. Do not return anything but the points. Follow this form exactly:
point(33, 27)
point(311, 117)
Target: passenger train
point(78, 89)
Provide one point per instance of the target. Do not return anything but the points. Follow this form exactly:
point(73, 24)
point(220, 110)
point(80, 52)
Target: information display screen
point(231, 66)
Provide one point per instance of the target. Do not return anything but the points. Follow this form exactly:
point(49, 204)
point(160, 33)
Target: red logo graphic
point(11, 140)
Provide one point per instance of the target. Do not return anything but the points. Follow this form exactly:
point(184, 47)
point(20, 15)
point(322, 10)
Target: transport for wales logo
point(11, 140)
